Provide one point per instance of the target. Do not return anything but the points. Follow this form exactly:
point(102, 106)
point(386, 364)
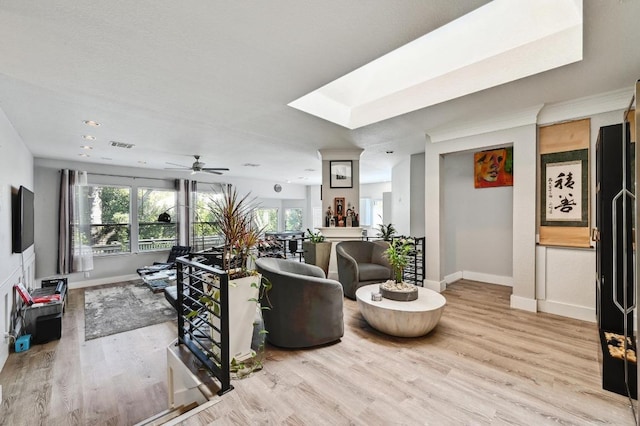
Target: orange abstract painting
point(493, 168)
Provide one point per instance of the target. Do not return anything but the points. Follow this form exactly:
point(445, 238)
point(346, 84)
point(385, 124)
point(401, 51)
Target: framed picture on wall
point(493, 168)
point(341, 174)
point(564, 199)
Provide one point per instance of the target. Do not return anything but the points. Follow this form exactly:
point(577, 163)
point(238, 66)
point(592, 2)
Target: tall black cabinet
point(614, 252)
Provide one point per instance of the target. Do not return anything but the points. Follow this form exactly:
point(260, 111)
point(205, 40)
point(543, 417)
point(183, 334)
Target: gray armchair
point(305, 307)
point(361, 263)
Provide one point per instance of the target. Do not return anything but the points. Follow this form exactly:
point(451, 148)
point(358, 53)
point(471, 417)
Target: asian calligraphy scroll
point(566, 192)
point(564, 184)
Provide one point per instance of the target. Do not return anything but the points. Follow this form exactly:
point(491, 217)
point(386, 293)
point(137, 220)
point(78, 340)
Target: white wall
point(401, 197)
point(374, 190)
point(416, 216)
point(16, 168)
point(478, 224)
point(559, 280)
point(566, 276)
point(312, 201)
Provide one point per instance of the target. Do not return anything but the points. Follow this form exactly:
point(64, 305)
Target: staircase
point(191, 388)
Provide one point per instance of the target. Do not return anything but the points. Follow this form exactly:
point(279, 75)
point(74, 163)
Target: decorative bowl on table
point(402, 292)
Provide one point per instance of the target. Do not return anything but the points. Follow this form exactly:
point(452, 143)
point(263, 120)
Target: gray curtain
point(74, 233)
point(186, 210)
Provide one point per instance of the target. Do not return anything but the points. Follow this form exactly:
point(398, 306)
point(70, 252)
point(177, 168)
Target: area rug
point(123, 307)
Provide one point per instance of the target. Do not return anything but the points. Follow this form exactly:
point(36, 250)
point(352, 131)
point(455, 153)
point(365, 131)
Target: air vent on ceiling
point(122, 144)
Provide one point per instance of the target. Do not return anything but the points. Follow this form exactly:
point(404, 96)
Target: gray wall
point(478, 222)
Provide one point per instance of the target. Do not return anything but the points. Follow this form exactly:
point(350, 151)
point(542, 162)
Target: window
point(370, 212)
point(205, 231)
point(108, 209)
point(152, 234)
point(376, 213)
point(267, 219)
point(318, 221)
point(293, 219)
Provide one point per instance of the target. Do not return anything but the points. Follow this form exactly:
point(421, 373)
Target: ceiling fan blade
point(209, 169)
point(179, 165)
point(184, 169)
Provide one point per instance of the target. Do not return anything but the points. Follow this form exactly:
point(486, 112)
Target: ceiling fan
point(198, 166)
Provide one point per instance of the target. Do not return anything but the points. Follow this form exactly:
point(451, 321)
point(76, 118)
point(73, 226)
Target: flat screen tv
point(23, 220)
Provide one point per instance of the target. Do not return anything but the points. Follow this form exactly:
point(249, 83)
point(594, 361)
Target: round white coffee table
point(403, 319)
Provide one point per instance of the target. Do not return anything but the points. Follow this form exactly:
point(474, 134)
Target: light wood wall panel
point(564, 137)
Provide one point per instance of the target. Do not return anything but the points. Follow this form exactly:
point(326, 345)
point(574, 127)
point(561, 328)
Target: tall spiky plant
point(234, 217)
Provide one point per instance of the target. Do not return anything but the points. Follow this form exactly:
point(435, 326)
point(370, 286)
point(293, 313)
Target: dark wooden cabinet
point(614, 250)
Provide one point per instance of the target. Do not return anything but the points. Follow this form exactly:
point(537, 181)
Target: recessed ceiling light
point(309, 170)
point(106, 158)
point(86, 147)
point(84, 155)
point(88, 137)
point(251, 165)
point(91, 123)
point(142, 162)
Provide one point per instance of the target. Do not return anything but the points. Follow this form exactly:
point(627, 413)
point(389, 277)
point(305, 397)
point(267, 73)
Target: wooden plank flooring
point(114, 380)
point(484, 364)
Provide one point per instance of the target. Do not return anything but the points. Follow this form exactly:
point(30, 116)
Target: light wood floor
point(113, 380)
point(483, 364)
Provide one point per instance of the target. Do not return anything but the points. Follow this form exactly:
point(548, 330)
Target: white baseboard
point(452, 278)
point(566, 310)
point(100, 281)
point(488, 278)
point(479, 276)
point(438, 286)
point(524, 303)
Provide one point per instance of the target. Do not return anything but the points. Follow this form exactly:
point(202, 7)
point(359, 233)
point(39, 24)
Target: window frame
point(165, 244)
point(128, 226)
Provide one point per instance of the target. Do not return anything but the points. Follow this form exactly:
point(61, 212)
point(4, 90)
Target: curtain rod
point(130, 177)
point(152, 178)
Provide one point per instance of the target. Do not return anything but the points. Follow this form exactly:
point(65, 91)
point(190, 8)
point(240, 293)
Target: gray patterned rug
point(122, 307)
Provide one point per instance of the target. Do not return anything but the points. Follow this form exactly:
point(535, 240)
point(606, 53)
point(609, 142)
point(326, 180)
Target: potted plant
point(316, 250)
point(398, 255)
point(386, 232)
point(234, 217)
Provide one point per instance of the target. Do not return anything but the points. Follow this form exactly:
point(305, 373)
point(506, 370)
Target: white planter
point(242, 314)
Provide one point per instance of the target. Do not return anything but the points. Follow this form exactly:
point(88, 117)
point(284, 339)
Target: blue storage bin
point(23, 343)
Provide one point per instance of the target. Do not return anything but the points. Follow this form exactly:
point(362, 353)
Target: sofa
point(362, 263)
point(304, 307)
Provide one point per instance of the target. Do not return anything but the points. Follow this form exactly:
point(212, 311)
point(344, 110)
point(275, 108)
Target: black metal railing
point(414, 272)
point(203, 315)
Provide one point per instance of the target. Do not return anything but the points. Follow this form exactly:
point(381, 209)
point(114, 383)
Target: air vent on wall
point(122, 144)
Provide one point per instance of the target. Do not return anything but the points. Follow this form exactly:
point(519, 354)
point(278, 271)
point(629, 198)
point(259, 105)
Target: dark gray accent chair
point(362, 263)
point(305, 307)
